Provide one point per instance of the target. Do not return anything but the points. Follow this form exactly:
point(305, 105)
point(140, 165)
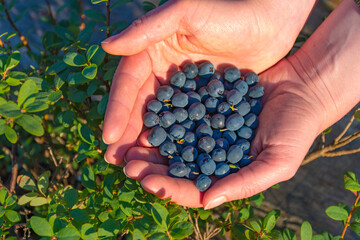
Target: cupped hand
point(249, 34)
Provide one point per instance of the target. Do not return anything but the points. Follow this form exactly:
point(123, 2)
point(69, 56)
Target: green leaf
point(357, 115)
point(90, 71)
point(41, 227)
point(38, 201)
point(36, 106)
point(75, 59)
point(119, 3)
point(336, 213)
point(98, 1)
point(148, 6)
point(13, 216)
point(31, 123)
point(86, 134)
point(27, 93)
point(27, 197)
point(56, 68)
point(71, 197)
point(25, 182)
point(66, 117)
point(64, 33)
point(11, 200)
point(91, 52)
point(306, 231)
point(137, 234)
point(88, 178)
point(80, 215)
point(160, 215)
point(55, 96)
point(3, 126)
point(126, 196)
point(351, 182)
point(43, 182)
point(68, 233)
point(255, 224)
point(10, 110)
point(356, 215)
point(257, 199)
point(13, 82)
point(181, 230)
point(95, 15)
point(270, 223)
point(98, 57)
point(77, 78)
point(77, 97)
point(203, 214)
point(2, 211)
point(108, 229)
point(4, 195)
point(11, 135)
point(13, 60)
point(355, 227)
point(328, 130)
point(88, 232)
point(101, 107)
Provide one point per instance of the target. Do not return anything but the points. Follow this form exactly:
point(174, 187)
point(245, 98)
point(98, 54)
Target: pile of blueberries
point(203, 121)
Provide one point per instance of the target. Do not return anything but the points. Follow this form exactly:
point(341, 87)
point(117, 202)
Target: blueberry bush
point(54, 182)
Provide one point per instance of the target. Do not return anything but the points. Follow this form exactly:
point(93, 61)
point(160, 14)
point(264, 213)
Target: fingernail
point(106, 159)
point(108, 40)
point(216, 202)
point(125, 172)
point(105, 141)
point(125, 160)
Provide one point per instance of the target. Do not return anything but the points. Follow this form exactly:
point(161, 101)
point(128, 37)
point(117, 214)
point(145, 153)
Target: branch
point(50, 13)
point(341, 153)
point(350, 214)
point(82, 16)
point(14, 168)
point(22, 38)
point(337, 139)
point(108, 11)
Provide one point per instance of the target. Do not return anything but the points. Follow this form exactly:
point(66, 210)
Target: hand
point(248, 34)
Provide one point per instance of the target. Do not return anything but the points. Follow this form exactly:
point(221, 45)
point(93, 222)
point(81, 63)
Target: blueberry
point(178, 169)
point(222, 170)
point(218, 121)
point(207, 166)
point(154, 106)
point(234, 167)
point(244, 145)
point(203, 182)
point(190, 139)
point(217, 134)
point(176, 159)
point(242, 108)
point(201, 157)
point(206, 69)
point(234, 122)
point(256, 92)
point(230, 136)
point(201, 82)
point(167, 119)
point(178, 79)
point(222, 143)
point(203, 130)
point(190, 70)
point(224, 108)
point(167, 149)
point(245, 132)
point(180, 114)
point(241, 86)
point(215, 88)
point(234, 154)
point(196, 111)
point(233, 97)
point(231, 74)
point(228, 86)
point(188, 125)
point(251, 120)
point(204, 94)
point(194, 171)
point(246, 160)
point(150, 119)
point(206, 119)
point(180, 99)
point(251, 78)
point(218, 155)
point(255, 106)
point(190, 85)
point(177, 132)
point(206, 144)
point(218, 76)
point(211, 104)
point(164, 93)
point(157, 136)
point(193, 97)
point(189, 153)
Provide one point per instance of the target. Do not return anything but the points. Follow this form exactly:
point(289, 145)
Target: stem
point(22, 38)
point(82, 16)
point(104, 82)
point(108, 11)
point(350, 214)
point(14, 169)
point(50, 12)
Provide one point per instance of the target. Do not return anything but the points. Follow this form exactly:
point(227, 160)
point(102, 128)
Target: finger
point(132, 72)
point(146, 154)
point(153, 27)
point(178, 189)
point(139, 169)
point(271, 167)
point(143, 139)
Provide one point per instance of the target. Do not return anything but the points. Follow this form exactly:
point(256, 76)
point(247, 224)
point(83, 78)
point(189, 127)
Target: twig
point(50, 12)
point(14, 168)
point(341, 153)
point(350, 214)
point(104, 82)
point(337, 139)
point(52, 156)
point(82, 16)
point(108, 11)
point(197, 232)
point(22, 38)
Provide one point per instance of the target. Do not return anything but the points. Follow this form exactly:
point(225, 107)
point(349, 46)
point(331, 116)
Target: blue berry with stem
point(251, 78)
point(233, 97)
point(180, 99)
point(218, 155)
point(211, 104)
point(256, 92)
point(180, 114)
point(151, 119)
point(157, 136)
point(234, 122)
point(175, 159)
point(164, 93)
point(246, 133)
point(241, 86)
point(242, 108)
point(177, 131)
point(204, 94)
point(206, 144)
point(234, 167)
point(167, 119)
point(203, 130)
point(215, 88)
point(178, 79)
point(246, 160)
point(190, 139)
point(230, 136)
point(244, 145)
point(167, 149)
point(218, 121)
point(207, 166)
point(196, 111)
point(189, 153)
point(154, 106)
point(206, 119)
point(178, 169)
point(203, 182)
point(206, 69)
point(222, 170)
point(193, 97)
point(222, 143)
point(194, 171)
point(234, 154)
point(251, 120)
point(190, 70)
point(188, 125)
point(231, 74)
point(224, 108)
point(190, 85)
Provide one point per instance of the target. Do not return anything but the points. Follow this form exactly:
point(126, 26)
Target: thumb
point(151, 28)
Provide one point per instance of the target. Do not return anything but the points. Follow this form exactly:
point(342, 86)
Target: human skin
point(305, 94)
